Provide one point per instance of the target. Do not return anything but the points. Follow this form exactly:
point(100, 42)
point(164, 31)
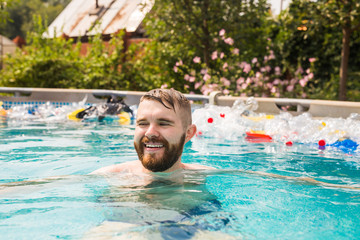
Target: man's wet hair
point(171, 99)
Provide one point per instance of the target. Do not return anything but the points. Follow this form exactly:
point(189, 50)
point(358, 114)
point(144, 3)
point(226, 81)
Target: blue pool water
point(45, 191)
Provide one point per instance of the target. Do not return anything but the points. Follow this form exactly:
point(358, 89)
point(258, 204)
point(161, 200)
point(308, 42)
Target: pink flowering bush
point(229, 73)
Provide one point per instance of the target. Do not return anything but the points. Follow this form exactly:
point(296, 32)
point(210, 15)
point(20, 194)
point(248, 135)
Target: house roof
point(83, 18)
point(6, 45)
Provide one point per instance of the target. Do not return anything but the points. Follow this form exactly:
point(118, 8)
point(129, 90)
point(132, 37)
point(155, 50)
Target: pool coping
point(317, 108)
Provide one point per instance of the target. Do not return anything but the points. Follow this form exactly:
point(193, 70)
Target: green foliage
point(4, 10)
point(21, 14)
point(311, 29)
point(185, 29)
point(58, 63)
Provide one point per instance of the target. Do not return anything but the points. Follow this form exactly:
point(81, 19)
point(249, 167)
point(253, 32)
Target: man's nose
point(152, 131)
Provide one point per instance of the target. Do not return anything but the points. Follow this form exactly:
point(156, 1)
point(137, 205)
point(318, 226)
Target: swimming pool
point(260, 190)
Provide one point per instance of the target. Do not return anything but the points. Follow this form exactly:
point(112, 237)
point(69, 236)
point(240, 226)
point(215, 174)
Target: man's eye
point(142, 124)
point(164, 124)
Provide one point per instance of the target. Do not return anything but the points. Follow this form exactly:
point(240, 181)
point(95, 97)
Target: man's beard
point(171, 153)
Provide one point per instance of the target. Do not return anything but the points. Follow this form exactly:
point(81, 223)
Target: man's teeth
point(153, 146)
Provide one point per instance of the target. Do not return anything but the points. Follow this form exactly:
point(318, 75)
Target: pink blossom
point(240, 80)
point(272, 55)
point(269, 85)
point(277, 70)
point(268, 68)
point(225, 65)
point(302, 82)
point(277, 94)
point(197, 85)
point(273, 90)
point(299, 70)
point(312, 60)
point(311, 75)
point(214, 86)
point(258, 74)
point(186, 86)
point(203, 71)
point(290, 88)
point(277, 81)
point(236, 51)
point(303, 95)
point(179, 63)
point(229, 41)
point(222, 32)
point(187, 77)
point(214, 55)
point(244, 86)
point(308, 70)
point(226, 91)
point(225, 81)
point(254, 60)
point(164, 86)
point(192, 92)
point(215, 40)
point(206, 77)
point(262, 69)
point(247, 68)
point(243, 95)
point(196, 59)
point(175, 69)
point(222, 55)
point(248, 80)
point(191, 79)
point(266, 58)
point(205, 90)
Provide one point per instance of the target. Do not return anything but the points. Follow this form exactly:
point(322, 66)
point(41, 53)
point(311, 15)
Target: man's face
point(159, 136)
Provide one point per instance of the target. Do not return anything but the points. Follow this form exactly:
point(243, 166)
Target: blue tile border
point(9, 104)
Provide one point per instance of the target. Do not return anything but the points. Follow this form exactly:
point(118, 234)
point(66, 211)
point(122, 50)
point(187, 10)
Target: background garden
point(310, 50)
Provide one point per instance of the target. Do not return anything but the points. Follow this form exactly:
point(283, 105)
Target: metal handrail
point(17, 91)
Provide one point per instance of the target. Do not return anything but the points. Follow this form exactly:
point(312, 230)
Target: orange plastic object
point(258, 136)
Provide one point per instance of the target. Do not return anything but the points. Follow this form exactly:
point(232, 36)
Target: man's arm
point(127, 166)
point(196, 166)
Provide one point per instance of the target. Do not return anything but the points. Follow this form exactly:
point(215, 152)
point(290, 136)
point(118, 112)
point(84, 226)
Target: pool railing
point(11, 96)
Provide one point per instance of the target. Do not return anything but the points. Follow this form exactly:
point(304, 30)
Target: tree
point(346, 14)
point(21, 15)
point(187, 28)
point(310, 30)
point(4, 14)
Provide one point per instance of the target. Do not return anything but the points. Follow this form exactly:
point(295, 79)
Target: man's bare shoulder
point(126, 166)
point(195, 166)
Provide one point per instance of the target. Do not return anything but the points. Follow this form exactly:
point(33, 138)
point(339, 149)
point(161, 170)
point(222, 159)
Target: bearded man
point(163, 126)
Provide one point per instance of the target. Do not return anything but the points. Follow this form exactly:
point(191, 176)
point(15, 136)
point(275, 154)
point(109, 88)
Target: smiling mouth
point(154, 145)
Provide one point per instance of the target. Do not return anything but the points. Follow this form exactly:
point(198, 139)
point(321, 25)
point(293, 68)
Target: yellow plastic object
point(72, 116)
point(257, 119)
point(3, 112)
point(124, 118)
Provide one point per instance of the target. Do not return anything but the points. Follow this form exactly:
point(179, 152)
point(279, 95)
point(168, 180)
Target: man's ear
point(190, 132)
